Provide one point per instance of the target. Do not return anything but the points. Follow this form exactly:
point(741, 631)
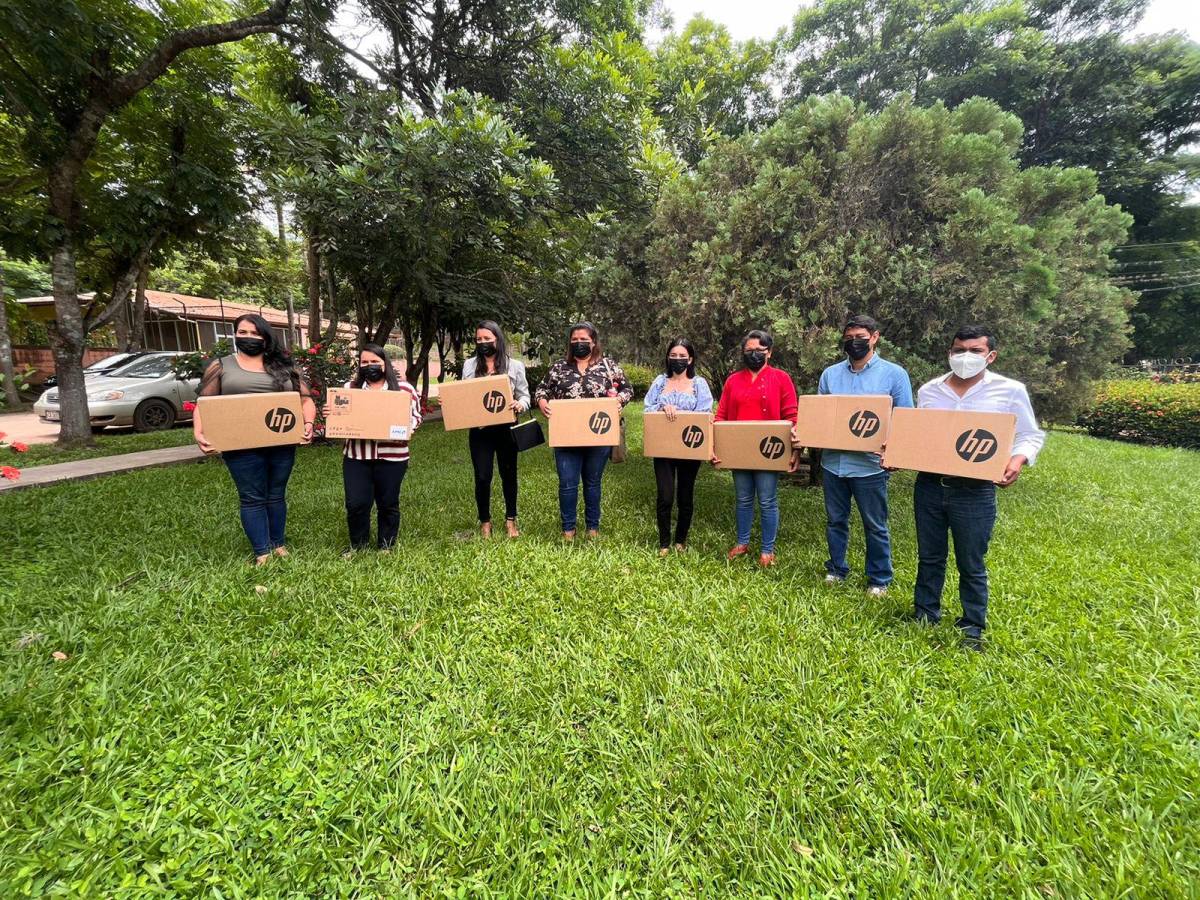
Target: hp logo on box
point(600, 422)
point(771, 447)
point(493, 401)
point(280, 419)
point(976, 445)
point(693, 436)
point(864, 423)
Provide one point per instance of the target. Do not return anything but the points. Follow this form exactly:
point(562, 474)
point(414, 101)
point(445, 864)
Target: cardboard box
point(951, 442)
point(475, 402)
point(844, 421)
point(369, 415)
point(688, 437)
point(585, 423)
point(765, 446)
point(245, 421)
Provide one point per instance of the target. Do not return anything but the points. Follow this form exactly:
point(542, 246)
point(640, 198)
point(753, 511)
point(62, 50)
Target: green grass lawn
point(108, 443)
point(527, 719)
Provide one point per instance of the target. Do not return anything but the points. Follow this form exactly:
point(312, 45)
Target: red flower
point(21, 448)
point(189, 406)
point(10, 473)
point(312, 351)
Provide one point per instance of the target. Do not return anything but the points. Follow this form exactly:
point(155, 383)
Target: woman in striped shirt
point(372, 471)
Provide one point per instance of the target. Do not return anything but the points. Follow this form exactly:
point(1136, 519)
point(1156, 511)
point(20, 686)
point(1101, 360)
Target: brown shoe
point(593, 533)
point(766, 560)
point(739, 550)
point(568, 536)
point(510, 525)
point(664, 552)
point(281, 552)
point(485, 529)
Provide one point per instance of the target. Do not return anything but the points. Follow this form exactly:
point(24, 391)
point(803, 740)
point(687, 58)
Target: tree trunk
point(283, 256)
point(312, 268)
point(67, 342)
point(12, 398)
point(137, 317)
point(331, 332)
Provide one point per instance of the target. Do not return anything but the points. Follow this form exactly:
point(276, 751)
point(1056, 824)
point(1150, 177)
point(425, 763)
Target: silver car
point(145, 393)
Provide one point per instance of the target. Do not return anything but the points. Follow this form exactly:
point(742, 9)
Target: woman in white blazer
point(494, 442)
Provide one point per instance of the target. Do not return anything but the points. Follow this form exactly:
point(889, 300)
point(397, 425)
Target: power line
point(1171, 287)
point(1162, 244)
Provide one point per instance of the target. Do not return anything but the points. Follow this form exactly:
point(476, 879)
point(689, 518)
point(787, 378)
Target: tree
point(70, 68)
point(709, 85)
point(431, 221)
point(920, 217)
point(1087, 96)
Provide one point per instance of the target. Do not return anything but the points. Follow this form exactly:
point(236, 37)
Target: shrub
point(640, 377)
point(324, 366)
point(1146, 412)
point(192, 365)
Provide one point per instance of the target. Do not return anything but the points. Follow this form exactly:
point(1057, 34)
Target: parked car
point(102, 366)
point(145, 393)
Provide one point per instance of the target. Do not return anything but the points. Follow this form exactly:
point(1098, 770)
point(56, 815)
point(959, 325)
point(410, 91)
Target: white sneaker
point(877, 590)
point(834, 579)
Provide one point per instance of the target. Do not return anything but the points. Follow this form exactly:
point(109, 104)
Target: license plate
point(50, 415)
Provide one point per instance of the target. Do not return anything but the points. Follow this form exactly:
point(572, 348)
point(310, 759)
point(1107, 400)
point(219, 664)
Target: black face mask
point(754, 359)
point(581, 349)
point(372, 373)
point(856, 348)
point(485, 349)
point(251, 346)
point(677, 366)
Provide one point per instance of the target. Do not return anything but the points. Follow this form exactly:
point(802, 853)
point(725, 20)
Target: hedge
point(1146, 412)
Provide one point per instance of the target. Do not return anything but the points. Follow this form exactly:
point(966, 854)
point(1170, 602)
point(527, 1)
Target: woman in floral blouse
point(586, 372)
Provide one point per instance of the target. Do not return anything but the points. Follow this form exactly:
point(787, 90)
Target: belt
point(956, 481)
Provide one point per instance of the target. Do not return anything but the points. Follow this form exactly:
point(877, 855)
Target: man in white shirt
point(966, 507)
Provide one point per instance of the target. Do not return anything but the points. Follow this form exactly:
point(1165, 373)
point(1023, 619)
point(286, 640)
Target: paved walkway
point(102, 465)
point(27, 428)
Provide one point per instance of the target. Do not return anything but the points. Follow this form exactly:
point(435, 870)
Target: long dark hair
point(597, 350)
point(277, 362)
point(686, 345)
point(389, 373)
point(501, 358)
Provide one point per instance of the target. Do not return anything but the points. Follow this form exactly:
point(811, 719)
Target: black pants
point(486, 443)
point(377, 482)
point(667, 472)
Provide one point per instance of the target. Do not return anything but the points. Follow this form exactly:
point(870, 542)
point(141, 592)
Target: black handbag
point(528, 434)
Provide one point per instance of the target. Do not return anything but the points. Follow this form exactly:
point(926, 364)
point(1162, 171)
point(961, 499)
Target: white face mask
point(967, 365)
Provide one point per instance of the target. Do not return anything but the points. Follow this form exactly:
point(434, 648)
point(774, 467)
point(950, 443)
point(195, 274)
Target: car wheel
point(153, 415)
point(96, 429)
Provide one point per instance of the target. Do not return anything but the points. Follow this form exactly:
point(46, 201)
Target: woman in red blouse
point(755, 393)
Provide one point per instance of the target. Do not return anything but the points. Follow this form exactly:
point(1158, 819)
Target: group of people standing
point(960, 509)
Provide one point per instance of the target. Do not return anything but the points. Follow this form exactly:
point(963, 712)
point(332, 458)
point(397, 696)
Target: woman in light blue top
point(677, 390)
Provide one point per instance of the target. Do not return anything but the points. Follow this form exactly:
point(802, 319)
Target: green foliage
point(640, 377)
point(324, 366)
point(25, 278)
point(1088, 93)
point(246, 269)
point(917, 216)
point(520, 718)
point(1146, 412)
point(192, 365)
point(21, 378)
point(710, 85)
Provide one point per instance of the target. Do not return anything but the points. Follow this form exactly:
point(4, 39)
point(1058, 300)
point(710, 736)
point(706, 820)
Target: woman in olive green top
point(258, 365)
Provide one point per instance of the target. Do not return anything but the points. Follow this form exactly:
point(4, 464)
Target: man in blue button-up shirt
point(851, 474)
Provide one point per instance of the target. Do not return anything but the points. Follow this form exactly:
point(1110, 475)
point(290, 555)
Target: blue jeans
point(871, 497)
point(261, 476)
point(765, 485)
point(967, 510)
point(574, 464)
